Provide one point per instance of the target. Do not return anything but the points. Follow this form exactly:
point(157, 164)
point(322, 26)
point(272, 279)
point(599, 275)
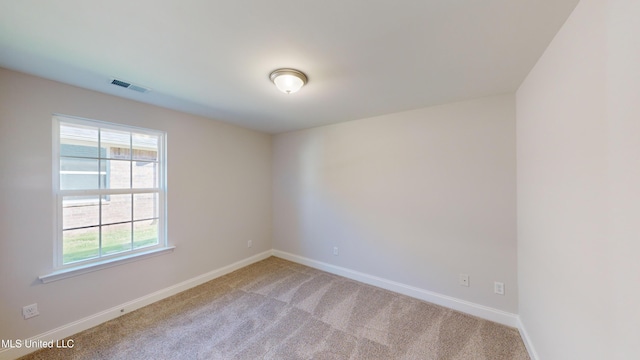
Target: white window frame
point(62, 270)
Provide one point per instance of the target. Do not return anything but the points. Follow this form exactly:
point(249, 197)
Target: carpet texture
point(276, 309)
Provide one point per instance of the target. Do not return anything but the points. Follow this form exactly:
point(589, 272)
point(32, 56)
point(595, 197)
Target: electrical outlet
point(464, 279)
point(335, 251)
point(249, 243)
point(30, 311)
point(498, 288)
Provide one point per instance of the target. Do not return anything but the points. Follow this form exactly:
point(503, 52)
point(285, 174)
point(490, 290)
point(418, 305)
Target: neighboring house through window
point(110, 191)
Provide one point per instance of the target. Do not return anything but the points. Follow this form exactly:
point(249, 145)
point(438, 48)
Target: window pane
point(145, 233)
point(145, 206)
point(118, 174)
point(79, 211)
point(78, 140)
point(117, 141)
point(116, 209)
point(76, 165)
point(145, 175)
point(116, 238)
point(83, 151)
point(79, 244)
point(145, 147)
point(78, 174)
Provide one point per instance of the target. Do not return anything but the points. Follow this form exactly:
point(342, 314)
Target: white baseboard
point(112, 313)
point(527, 340)
point(485, 312)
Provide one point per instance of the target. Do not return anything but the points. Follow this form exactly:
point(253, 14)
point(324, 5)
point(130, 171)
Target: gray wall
point(578, 136)
point(219, 183)
point(415, 197)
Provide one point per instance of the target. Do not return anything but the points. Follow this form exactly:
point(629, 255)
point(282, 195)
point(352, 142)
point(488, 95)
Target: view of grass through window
point(82, 246)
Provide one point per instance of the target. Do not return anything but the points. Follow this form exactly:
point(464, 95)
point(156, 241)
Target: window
point(109, 185)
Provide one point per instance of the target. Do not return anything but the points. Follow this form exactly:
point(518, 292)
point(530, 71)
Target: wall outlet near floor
point(498, 288)
point(30, 311)
point(464, 279)
point(249, 243)
point(335, 251)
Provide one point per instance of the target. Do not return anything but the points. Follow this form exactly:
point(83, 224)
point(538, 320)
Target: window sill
point(83, 269)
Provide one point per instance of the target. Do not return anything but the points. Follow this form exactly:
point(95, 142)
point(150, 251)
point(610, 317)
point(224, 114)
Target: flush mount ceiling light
point(288, 80)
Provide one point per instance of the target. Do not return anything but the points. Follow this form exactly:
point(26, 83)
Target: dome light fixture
point(288, 80)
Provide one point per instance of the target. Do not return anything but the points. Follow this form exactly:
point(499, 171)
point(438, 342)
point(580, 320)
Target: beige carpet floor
point(276, 309)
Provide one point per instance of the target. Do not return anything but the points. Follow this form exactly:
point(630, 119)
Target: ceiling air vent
point(120, 83)
point(130, 86)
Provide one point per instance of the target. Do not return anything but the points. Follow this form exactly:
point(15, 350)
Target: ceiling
point(213, 58)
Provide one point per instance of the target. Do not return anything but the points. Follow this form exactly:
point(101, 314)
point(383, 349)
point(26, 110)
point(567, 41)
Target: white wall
point(415, 197)
point(623, 111)
point(219, 196)
point(578, 146)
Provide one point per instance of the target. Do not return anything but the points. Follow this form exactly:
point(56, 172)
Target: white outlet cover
point(464, 279)
point(498, 288)
point(30, 311)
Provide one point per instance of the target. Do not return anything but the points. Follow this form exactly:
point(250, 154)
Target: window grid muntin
point(159, 139)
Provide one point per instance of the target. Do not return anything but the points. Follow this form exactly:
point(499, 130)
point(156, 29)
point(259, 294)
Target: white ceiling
point(213, 58)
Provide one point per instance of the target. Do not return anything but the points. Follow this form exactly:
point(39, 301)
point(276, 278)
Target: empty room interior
point(307, 180)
